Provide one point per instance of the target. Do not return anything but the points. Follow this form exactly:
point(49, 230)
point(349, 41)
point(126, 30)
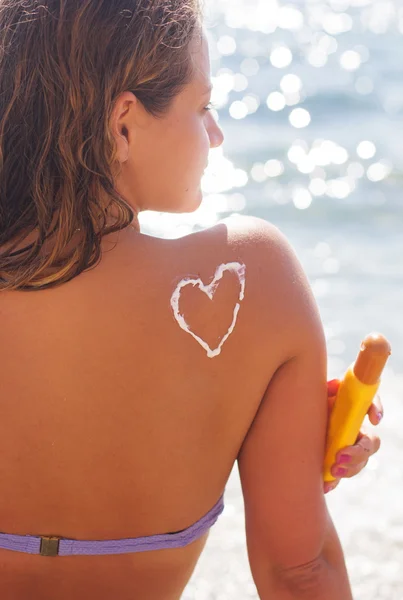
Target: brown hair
point(63, 63)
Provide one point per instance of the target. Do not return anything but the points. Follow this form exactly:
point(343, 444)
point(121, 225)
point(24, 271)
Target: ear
point(121, 123)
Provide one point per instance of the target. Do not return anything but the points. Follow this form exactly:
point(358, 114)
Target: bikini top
point(58, 546)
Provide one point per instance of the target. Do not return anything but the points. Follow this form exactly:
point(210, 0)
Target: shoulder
point(255, 240)
point(264, 246)
point(277, 289)
point(268, 255)
point(247, 230)
point(246, 227)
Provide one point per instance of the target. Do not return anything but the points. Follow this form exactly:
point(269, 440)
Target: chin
point(191, 204)
point(187, 204)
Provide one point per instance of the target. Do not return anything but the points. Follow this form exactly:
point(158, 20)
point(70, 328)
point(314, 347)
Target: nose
point(216, 134)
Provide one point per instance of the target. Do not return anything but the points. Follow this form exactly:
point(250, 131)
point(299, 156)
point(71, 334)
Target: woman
point(135, 370)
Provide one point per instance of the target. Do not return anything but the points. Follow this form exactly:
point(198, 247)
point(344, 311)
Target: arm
point(293, 548)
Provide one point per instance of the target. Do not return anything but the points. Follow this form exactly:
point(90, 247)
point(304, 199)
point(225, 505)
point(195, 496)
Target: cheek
point(193, 137)
point(167, 170)
point(188, 151)
point(201, 148)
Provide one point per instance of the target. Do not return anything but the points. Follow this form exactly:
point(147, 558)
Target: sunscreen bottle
point(354, 398)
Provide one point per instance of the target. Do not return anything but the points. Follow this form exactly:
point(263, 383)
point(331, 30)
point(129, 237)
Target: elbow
point(308, 581)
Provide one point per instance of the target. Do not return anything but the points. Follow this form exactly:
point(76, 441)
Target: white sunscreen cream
point(234, 267)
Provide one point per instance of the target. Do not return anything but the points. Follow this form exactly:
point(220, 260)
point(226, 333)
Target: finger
point(368, 443)
point(352, 471)
point(365, 432)
point(375, 412)
point(360, 436)
point(353, 459)
point(330, 402)
point(333, 387)
point(329, 486)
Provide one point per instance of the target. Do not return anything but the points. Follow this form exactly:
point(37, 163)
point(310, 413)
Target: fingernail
point(344, 458)
point(341, 472)
point(329, 487)
point(380, 416)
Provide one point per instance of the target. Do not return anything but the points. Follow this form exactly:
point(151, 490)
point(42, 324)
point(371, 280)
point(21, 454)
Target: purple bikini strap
point(53, 546)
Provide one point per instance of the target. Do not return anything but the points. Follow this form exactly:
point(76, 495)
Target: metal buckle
point(49, 546)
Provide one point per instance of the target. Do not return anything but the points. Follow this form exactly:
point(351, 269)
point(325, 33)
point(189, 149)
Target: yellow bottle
point(354, 398)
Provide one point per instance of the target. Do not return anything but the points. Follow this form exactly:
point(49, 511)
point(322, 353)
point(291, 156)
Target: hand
point(354, 458)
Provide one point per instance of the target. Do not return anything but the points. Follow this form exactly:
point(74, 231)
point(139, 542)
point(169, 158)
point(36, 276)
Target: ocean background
point(309, 94)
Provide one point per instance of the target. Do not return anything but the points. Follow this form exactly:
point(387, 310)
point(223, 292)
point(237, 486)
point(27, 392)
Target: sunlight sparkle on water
point(258, 173)
point(221, 175)
point(306, 164)
point(335, 24)
point(355, 170)
point(289, 17)
point(240, 82)
point(327, 152)
point(301, 198)
point(297, 151)
point(226, 45)
point(317, 57)
point(327, 43)
point(252, 102)
point(350, 60)
point(339, 188)
point(223, 84)
point(276, 101)
point(281, 57)
point(300, 118)
point(379, 171)
point(274, 168)
point(290, 84)
point(339, 155)
point(238, 110)
point(366, 150)
point(292, 98)
point(318, 187)
point(320, 157)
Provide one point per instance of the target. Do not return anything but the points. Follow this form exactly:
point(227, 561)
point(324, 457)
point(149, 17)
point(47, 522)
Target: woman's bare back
point(115, 423)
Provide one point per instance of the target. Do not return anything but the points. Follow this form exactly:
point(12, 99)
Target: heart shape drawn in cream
point(235, 267)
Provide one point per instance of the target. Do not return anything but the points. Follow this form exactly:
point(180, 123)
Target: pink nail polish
point(344, 458)
point(341, 472)
point(380, 416)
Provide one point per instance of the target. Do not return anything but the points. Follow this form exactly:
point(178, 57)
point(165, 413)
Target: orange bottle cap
point(375, 351)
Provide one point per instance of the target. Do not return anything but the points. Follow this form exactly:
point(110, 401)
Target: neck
point(135, 223)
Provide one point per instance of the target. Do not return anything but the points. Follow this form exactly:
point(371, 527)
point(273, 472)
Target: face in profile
point(163, 159)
